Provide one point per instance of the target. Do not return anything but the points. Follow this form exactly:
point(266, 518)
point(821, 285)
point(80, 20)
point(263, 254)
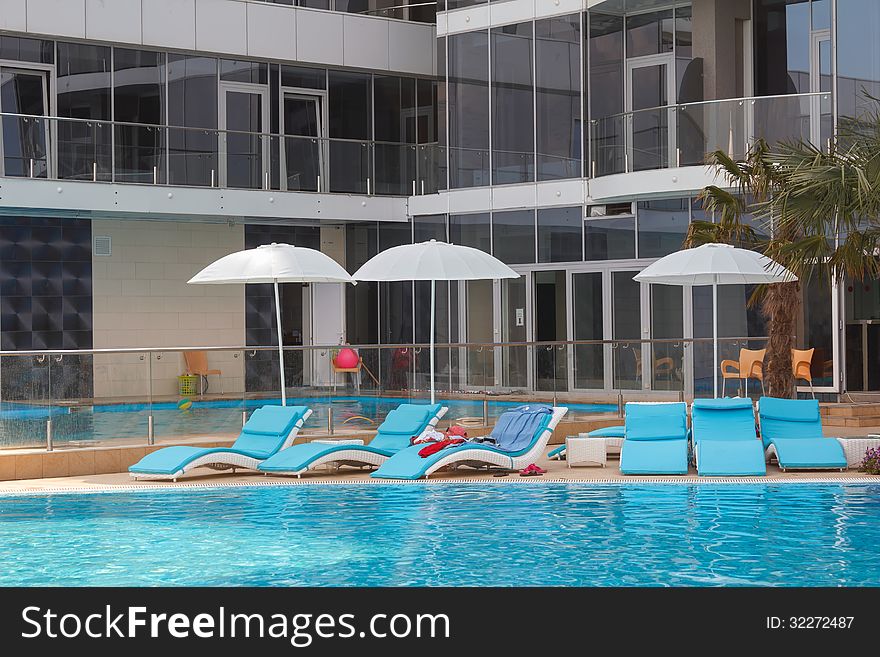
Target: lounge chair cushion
point(300, 457)
point(742, 458)
point(789, 418)
point(169, 460)
point(723, 419)
point(407, 420)
point(267, 428)
point(809, 453)
point(658, 457)
point(656, 421)
point(608, 432)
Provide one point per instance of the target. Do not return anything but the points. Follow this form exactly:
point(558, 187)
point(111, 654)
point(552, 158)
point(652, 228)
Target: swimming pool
point(25, 424)
point(506, 534)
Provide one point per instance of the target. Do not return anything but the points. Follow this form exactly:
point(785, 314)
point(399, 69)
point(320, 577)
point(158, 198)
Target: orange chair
point(801, 366)
point(197, 364)
point(749, 366)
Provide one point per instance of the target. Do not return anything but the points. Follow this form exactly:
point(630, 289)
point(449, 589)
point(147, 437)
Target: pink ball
point(347, 358)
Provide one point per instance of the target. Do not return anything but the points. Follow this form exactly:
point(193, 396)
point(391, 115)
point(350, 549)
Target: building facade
point(142, 139)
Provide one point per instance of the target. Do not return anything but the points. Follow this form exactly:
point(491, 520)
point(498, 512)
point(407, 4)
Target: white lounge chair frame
point(224, 460)
point(357, 457)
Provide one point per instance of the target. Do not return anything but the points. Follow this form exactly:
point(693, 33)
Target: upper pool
point(25, 424)
point(447, 534)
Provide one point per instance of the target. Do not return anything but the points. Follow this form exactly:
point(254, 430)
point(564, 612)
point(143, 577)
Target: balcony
point(225, 162)
point(682, 135)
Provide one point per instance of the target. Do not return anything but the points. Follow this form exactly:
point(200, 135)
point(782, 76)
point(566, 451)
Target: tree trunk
point(780, 308)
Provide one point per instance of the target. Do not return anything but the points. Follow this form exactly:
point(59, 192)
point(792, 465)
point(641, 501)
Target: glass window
point(139, 86)
point(436, 160)
point(396, 298)
point(667, 323)
point(302, 77)
point(192, 91)
point(350, 117)
point(429, 227)
point(858, 56)
point(426, 110)
point(192, 102)
point(361, 300)
point(139, 97)
point(20, 49)
point(349, 105)
point(471, 230)
point(394, 100)
point(649, 34)
point(460, 4)
point(513, 118)
point(663, 225)
point(468, 109)
point(233, 70)
point(559, 234)
point(513, 236)
point(83, 92)
point(626, 329)
point(83, 81)
point(588, 325)
point(684, 32)
point(821, 12)
point(606, 93)
point(558, 97)
point(610, 239)
point(782, 47)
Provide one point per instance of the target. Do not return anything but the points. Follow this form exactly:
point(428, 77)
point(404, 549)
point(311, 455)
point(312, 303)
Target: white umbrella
point(274, 263)
point(715, 264)
point(433, 261)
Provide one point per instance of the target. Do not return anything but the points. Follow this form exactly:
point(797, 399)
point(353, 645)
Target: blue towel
point(516, 428)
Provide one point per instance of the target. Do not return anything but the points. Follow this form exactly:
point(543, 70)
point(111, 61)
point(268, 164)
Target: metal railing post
point(243, 418)
point(485, 412)
point(330, 428)
point(49, 443)
point(151, 436)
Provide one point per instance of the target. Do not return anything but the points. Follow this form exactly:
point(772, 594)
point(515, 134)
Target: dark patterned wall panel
point(45, 303)
point(261, 370)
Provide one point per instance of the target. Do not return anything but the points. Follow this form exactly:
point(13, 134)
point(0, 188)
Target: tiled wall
point(45, 303)
point(141, 299)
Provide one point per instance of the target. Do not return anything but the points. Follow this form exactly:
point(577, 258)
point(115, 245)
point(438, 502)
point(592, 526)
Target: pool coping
point(666, 481)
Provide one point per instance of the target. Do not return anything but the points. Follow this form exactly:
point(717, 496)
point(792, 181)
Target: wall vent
point(103, 245)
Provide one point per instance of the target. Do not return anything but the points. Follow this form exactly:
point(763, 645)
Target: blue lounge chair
point(558, 452)
point(407, 464)
point(656, 439)
point(394, 434)
point(268, 430)
point(725, 439)
point(792, 430)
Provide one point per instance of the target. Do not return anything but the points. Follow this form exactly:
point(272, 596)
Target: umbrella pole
point(280, 346)
point(433, 301)
point(715, 339)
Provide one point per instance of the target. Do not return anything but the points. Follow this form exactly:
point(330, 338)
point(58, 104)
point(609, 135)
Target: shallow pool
point(25, 424)
point(448, 534)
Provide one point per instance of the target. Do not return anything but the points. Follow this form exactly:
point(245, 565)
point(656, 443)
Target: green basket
point(186, 384)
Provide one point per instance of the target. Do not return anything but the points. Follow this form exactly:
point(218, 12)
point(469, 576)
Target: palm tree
point(823, 210)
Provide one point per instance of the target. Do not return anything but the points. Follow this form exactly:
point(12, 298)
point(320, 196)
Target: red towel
point(433, 448)
point(456, 431)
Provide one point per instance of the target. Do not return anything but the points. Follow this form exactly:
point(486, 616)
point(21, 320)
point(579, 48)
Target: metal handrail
point(216, 131)
point(414, 346)
point(718, 101)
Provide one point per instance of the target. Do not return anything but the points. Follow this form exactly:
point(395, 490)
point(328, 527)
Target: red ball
point(347, 358)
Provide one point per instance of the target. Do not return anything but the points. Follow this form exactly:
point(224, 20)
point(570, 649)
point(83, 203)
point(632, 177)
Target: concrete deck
point(556, 471)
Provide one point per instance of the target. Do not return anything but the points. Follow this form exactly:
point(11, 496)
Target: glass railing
point(417, 11)
point(79, 398)
point(104, 151)
point(682, 135)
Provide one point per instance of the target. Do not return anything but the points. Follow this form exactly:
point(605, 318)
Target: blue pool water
point(25, 424)
point(448, 534)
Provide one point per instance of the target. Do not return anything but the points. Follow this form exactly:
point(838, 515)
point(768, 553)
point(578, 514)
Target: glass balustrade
point(80, 398)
